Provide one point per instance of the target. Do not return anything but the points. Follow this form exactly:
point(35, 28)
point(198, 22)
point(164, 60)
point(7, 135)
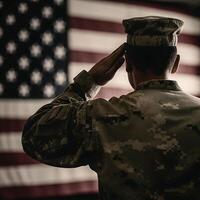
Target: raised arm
point(61, 133)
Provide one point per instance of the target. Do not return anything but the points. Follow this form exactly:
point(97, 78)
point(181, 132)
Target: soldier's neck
point(141, 77)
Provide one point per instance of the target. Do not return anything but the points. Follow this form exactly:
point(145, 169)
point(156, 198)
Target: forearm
point(60, 132)
point(48, 135)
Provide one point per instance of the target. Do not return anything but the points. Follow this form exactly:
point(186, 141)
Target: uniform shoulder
point(194, 98)
point(114, 106)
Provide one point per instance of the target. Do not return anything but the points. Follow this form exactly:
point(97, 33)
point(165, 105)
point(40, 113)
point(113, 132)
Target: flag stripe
point(20, 109)
point(114, 27)
point(189, 54)
point(15, 159)
point(95, 25)
point(75, 67)
point(10, 142)
point(14, 125)
point(92, 57)
point(54, 190)
point(183, 79)
point(102, 42)
point(187, 69)
point(98, 41)
point(190, 39)
point(17, 124)
point(116, 12)
point(179, 8)
point(31, 175)
point(85, 56)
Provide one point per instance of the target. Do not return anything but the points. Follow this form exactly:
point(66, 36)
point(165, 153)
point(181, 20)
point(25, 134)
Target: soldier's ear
point(176, 64)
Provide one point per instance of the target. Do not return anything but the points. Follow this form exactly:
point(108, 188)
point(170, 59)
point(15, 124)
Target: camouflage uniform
point(143, 146)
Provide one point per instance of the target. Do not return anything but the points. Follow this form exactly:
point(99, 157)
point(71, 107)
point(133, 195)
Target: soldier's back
point(151, 144)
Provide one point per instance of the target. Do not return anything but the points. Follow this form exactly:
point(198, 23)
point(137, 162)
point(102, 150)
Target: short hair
point(150, 58)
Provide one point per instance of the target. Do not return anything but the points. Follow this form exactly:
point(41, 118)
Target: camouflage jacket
point(143, 146)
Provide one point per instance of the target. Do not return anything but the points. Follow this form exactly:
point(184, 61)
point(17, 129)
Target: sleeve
point(60, 133)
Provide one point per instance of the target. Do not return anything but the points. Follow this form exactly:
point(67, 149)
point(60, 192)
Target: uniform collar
point(159, 84)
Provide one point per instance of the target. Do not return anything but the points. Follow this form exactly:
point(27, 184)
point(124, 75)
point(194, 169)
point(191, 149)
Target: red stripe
point(15, 159)
point(189, 39)
point(95, 25)
point(91, 57)
point(11, 125)
point(15, 125)
point(169, 6)
point(186, 69)
point(58, 190)
point(85, 56)
point(113, 27)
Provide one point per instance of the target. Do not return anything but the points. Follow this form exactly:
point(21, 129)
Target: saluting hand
point(106, 68)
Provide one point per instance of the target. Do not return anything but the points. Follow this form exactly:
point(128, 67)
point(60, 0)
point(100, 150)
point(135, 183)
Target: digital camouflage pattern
point(152, 31)
point(144, 145)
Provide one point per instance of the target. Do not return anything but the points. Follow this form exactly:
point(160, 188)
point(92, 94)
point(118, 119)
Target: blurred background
point(43, 45)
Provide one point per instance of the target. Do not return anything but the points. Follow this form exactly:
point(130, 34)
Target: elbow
point(28, 147)
point(34, 142)
point(27, 141)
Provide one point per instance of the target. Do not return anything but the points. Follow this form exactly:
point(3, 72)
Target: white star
point(58, 2)
point(48, 64)
point(1, 60)
point(59, 52)
point(23, 35)
point(24, 62)
point(36, 77)
point(48, 90)
point(36, 50)
point(60, 77)
point(11, 75)
point(22, 8)
point(24, 90)
point(47, 38)
point(10, 20)
point(11, 47)
point(59, 26)
point(1, 32)
point(47, 12)
point(35, 23)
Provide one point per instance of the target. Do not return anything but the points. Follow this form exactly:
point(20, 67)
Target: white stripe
point(190, 54)
point(189, 83)
point(39, 174)
point(116, 12)
point(120, 79)
point(94, 41)
point(10, 142)
point(20, 109)
point(100, 42)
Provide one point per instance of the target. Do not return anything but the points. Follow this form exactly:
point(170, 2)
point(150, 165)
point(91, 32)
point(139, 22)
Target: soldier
point(144, 145)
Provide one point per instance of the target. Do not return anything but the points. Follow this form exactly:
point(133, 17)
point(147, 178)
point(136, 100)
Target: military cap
point(152, 31)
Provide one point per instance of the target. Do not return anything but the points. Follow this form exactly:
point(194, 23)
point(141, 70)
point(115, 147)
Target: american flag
point(43, 45)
